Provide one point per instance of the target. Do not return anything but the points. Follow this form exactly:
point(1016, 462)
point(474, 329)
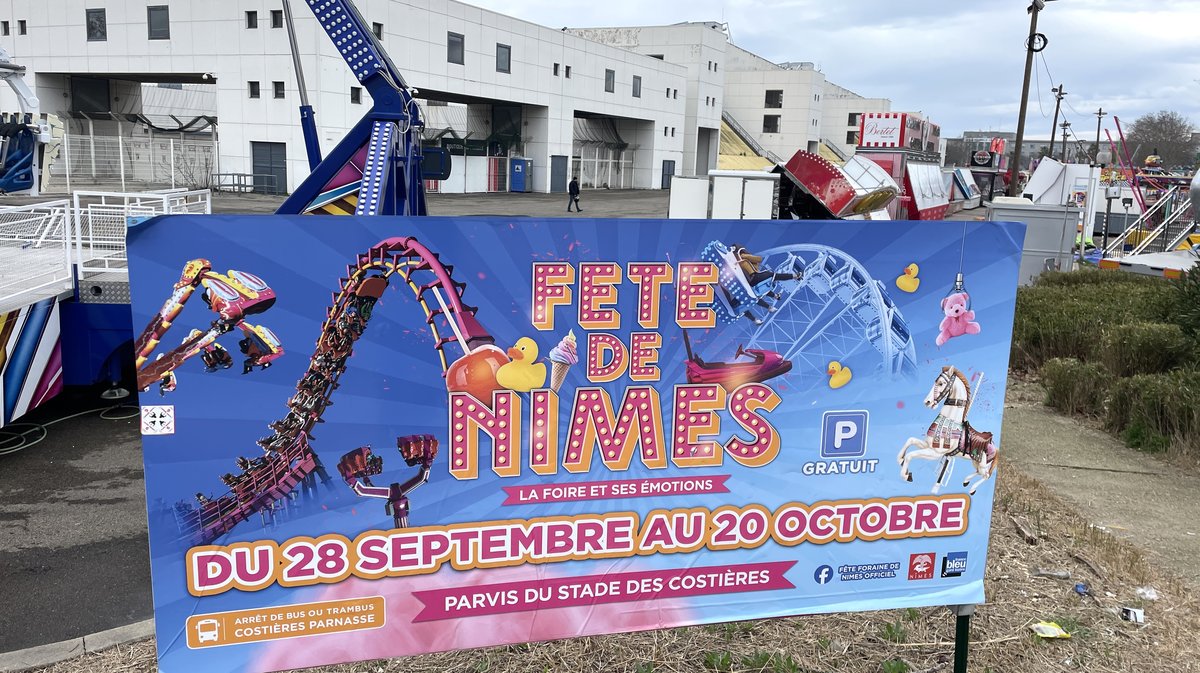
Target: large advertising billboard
point(375, 437)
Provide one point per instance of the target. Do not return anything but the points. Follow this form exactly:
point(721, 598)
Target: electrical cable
point(12, 442)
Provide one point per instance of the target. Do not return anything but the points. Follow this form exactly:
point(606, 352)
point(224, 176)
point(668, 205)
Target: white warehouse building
point(532, 90)
point(617, 107)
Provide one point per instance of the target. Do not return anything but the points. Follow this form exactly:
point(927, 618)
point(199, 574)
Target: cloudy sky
point(960, 62)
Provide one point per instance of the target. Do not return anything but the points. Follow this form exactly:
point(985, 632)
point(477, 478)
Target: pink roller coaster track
point(270, 483)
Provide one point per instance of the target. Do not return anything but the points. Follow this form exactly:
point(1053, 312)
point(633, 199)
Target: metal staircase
point(1164, 226)
point(749, 139)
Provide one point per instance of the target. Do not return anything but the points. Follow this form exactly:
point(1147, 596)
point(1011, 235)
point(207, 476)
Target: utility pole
point(1035, 42)
point(1059, 92)
point(1099, 115)
point(1065, 125)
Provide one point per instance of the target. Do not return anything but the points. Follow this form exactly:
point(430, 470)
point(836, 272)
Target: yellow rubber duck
point(524, 373)
point(838, 375)
point(909, 281)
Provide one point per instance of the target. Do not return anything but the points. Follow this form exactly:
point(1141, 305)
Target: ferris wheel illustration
point(814, 305)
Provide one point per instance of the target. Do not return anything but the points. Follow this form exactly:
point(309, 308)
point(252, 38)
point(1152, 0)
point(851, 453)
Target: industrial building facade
point(617, 107)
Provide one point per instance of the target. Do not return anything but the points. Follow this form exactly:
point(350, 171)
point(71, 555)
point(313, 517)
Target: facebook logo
point(844, 434)
point(823, 575)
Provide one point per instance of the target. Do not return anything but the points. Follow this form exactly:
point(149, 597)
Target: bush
point(1185, 296)
point(1144, 348)
point(1151, 410)
point(1075, 387)
point(1058, 320)
point(1093, 277)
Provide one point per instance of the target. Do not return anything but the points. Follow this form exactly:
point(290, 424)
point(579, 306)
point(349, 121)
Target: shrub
point(1151, 410)
point(1075, 387)
point(1144, 348)
point(1185, 296)
point(1067, 321)
point(1093, 277)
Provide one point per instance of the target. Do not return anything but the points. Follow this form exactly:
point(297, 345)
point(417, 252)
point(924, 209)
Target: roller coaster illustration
point(289, 465)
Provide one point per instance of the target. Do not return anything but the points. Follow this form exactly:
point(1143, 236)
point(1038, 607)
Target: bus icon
point(208, 630)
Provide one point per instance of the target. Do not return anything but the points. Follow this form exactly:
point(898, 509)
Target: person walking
point(573, 195)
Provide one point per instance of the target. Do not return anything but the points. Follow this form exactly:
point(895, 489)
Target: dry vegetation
point(907, 641)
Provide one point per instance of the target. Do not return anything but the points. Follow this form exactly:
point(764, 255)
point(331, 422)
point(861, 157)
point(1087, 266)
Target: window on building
point(455, 47)
point(356, 95)
point(706, 101)
point(672, 131)
point(714, 66)
point(852, 119)
point(251, 19)
point(666, 129)
point(658, 56)
point(770, 123)
point(668, 92)
point(710, 66)
point(97, 25)
point(814, 122)
point(3, 28)
point(158, 22)
point(255, 90)
point(851, 137)
point(278, 88)
point(610, 80)
point(377, 28)
point(21, 27)
point(637, 86)
point(503, 58)
point(675, 94)
point(567, 72)
point(556, 70)
point(277, 18)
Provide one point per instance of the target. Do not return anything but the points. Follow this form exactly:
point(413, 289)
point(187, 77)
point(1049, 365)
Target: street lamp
point(1034, 43)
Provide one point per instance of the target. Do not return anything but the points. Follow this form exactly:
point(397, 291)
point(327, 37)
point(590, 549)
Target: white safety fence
point(101, 219)
point(45, 247)
point(127, 163)
point(35, 252)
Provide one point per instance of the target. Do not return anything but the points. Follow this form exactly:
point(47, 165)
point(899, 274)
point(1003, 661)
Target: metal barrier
point(244, 183)
point(101, 218)
point(35, 253)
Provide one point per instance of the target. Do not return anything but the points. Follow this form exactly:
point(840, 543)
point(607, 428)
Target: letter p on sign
point(844, 434)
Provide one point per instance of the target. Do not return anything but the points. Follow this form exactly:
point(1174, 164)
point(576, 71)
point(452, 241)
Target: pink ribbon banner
point(565, 592)
point(617, 488)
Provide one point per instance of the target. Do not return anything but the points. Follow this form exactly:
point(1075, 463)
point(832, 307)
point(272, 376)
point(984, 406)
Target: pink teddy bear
point(959, 319)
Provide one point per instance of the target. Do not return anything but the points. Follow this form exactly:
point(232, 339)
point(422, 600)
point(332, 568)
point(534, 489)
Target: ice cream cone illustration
point(562, 357)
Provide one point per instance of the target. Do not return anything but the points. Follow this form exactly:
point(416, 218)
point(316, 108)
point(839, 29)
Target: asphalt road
point(73, 549)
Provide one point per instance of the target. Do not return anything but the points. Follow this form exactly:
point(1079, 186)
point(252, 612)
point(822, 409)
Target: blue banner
point(375, 437)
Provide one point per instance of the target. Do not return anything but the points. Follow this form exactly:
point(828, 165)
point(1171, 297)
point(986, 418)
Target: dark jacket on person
point(573, 188)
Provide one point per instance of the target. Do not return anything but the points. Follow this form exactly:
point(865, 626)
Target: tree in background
point(1167, 133)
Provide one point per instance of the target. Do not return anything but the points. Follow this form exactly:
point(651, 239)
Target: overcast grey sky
point(959, 61)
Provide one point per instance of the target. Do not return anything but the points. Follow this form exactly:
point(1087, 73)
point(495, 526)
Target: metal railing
point(1117, 247)
point(35, 253)
point(101, 219)
point(245, 183)
point(1174, 223)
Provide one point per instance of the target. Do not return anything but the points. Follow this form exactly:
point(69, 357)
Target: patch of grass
point(645, 667)
point(722, 662)
point(757, 662)
point(1075, 387)
point(894, 632)
point(912, 614)
point(894, 666)
point(785, 664)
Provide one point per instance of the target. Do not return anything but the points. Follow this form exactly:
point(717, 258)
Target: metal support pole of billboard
point(962, 635)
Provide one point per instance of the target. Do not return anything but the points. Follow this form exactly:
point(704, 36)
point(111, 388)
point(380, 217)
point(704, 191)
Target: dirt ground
point(1136, 496)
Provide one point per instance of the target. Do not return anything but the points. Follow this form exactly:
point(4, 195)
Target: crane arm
point(14, 76)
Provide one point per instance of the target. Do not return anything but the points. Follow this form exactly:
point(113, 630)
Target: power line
point(1047, 67)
